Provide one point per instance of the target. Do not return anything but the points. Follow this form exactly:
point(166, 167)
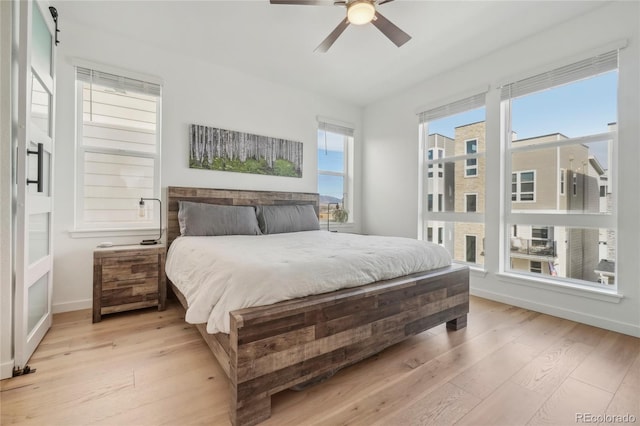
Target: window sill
point(611, 296)
point(100, 233)
point(350, 227)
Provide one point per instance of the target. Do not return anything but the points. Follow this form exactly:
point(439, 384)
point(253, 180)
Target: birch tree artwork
point(227, 150)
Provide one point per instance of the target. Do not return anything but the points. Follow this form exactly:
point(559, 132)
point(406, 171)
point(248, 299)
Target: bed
point(295, 342)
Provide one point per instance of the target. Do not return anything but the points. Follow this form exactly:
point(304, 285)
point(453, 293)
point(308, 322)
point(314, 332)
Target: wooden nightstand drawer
point(128, 269)
point(128, 277)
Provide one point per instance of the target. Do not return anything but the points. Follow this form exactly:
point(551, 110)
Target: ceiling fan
point(359, 12)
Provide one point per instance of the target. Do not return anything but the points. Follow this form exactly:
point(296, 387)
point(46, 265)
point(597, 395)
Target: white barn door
point(34, 171)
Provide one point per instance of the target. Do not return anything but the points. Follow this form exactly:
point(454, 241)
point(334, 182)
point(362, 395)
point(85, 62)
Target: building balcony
point(544, 248)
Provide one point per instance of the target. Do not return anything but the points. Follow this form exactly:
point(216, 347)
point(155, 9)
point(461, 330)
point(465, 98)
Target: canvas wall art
point(212, 148)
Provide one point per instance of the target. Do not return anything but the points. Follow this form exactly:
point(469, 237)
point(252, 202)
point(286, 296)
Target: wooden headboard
point(229, 197)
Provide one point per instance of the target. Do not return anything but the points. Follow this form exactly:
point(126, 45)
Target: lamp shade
point(360, 12)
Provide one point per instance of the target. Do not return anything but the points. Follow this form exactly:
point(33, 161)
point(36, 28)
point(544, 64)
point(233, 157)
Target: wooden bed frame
point(291, 343)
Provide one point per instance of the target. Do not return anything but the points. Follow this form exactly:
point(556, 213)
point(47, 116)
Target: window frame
point(568, 219)
point(474, 102)
point(474, 166)
point(475, 247)
point(347, 131)
point(518, 194)
point(466, 202)
point(80, 225)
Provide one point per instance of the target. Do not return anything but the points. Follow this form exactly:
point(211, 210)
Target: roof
point(606, 266)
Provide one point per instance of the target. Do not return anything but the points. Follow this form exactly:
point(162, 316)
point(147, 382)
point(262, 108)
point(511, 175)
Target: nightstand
point(128, 277)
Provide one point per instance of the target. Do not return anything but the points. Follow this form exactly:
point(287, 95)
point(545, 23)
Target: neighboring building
point(547, 180)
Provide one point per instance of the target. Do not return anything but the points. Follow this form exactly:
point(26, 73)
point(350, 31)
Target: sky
point(581, 108)
point(577, 109)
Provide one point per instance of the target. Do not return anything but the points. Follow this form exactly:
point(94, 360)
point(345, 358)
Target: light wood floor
point(509, 366)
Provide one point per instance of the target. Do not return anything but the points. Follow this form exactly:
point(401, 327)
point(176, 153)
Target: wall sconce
point(141, 213)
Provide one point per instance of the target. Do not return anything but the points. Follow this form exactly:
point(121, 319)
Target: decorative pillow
point(201, 219)
point(280, 219)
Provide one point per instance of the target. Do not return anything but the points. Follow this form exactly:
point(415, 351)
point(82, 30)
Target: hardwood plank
point(511, 404)
point(607, 365)
point(546, 372)
point(484, 377)
point(571, 400)
point(626, 400)
point(443, 406)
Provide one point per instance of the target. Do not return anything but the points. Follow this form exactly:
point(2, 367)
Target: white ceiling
point(276, 42)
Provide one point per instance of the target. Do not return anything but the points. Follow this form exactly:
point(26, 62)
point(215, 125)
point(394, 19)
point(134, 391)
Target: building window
point(335, 165)
point(536, 267)
point(471, 165)
point(544, 128)
point(470, 202)
point(452, 139)
point(470, 248)
point(118, 150)
point(523, 186)
point(430, 234)
point(603, 190)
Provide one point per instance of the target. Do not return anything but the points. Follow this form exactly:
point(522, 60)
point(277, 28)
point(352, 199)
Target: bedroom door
point(34, 172)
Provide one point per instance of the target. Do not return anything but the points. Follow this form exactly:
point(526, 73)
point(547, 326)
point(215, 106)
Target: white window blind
point(467, 104)
point(118, 149)
point(335, 128)
point(563, 75)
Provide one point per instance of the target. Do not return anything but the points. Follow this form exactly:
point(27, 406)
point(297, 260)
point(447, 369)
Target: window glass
point(333, 171)
point(561, 135)
point(118, 150)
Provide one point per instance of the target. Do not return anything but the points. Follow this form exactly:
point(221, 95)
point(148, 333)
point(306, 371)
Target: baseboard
point(72, 306)
point(6, 370)
point(581, 317)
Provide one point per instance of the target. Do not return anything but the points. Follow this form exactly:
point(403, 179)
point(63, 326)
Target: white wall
point(194, 92)
point(391, 159)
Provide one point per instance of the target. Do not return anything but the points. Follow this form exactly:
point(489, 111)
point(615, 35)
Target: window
point(560, 129)
point(470, 248)
point(439, 153)
point(523, 186)
point(335, 156)
point(535, 266)
point(603, 190)
point(118, 150)
point(470, 202)
point(471, 166)
point(430, 234)
point(452, 138)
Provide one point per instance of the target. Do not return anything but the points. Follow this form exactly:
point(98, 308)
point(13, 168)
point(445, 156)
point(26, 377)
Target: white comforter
point(221, 274)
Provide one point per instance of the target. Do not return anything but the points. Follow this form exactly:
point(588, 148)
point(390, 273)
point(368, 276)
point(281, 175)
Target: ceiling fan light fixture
point(360, 12)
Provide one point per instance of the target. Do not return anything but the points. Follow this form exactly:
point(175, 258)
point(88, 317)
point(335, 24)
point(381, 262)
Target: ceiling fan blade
point(331, 38)
point(384, 1)
point(304, 2)
point(393, 33)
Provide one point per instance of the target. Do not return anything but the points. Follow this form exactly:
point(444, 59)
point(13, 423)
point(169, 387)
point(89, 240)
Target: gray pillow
point(201, 219)
point(280, 219)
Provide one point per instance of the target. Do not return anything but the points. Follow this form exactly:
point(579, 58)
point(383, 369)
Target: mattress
point(221, 274)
